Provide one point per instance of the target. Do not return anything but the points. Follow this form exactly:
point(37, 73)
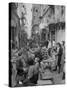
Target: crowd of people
point(29, 61)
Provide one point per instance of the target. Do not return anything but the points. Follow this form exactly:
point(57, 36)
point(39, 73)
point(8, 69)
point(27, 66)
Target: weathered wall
point(60, 35)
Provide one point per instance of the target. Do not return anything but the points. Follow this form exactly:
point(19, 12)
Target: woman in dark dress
point(59, 54)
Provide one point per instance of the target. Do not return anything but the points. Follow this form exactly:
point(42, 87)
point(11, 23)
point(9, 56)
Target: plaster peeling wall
point(60, 35)
point(28, 16)
point(28, 19)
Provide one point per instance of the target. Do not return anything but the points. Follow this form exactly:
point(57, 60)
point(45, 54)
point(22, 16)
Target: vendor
point(32, 73)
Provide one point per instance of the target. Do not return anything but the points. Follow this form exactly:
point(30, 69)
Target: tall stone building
point(49, 19)
point(36, 13)
point(57, 26)
point(38, 21)
point(14, 24)
point(36, 10)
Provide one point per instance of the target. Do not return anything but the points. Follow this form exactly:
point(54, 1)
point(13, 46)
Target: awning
point(56, 26)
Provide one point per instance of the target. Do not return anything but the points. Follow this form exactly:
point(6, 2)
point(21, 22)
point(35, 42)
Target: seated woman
point(33, 72)
point(22, 69)
point(52, 56)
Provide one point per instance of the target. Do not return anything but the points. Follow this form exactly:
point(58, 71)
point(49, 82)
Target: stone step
point(44, 82)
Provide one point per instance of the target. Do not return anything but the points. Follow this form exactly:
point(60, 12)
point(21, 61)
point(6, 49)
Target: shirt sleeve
point(30, 72)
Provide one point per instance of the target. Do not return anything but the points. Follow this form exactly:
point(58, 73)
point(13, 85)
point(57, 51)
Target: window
point(36, 10)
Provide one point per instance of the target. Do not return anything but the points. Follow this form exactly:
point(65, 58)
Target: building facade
point(49, 19)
